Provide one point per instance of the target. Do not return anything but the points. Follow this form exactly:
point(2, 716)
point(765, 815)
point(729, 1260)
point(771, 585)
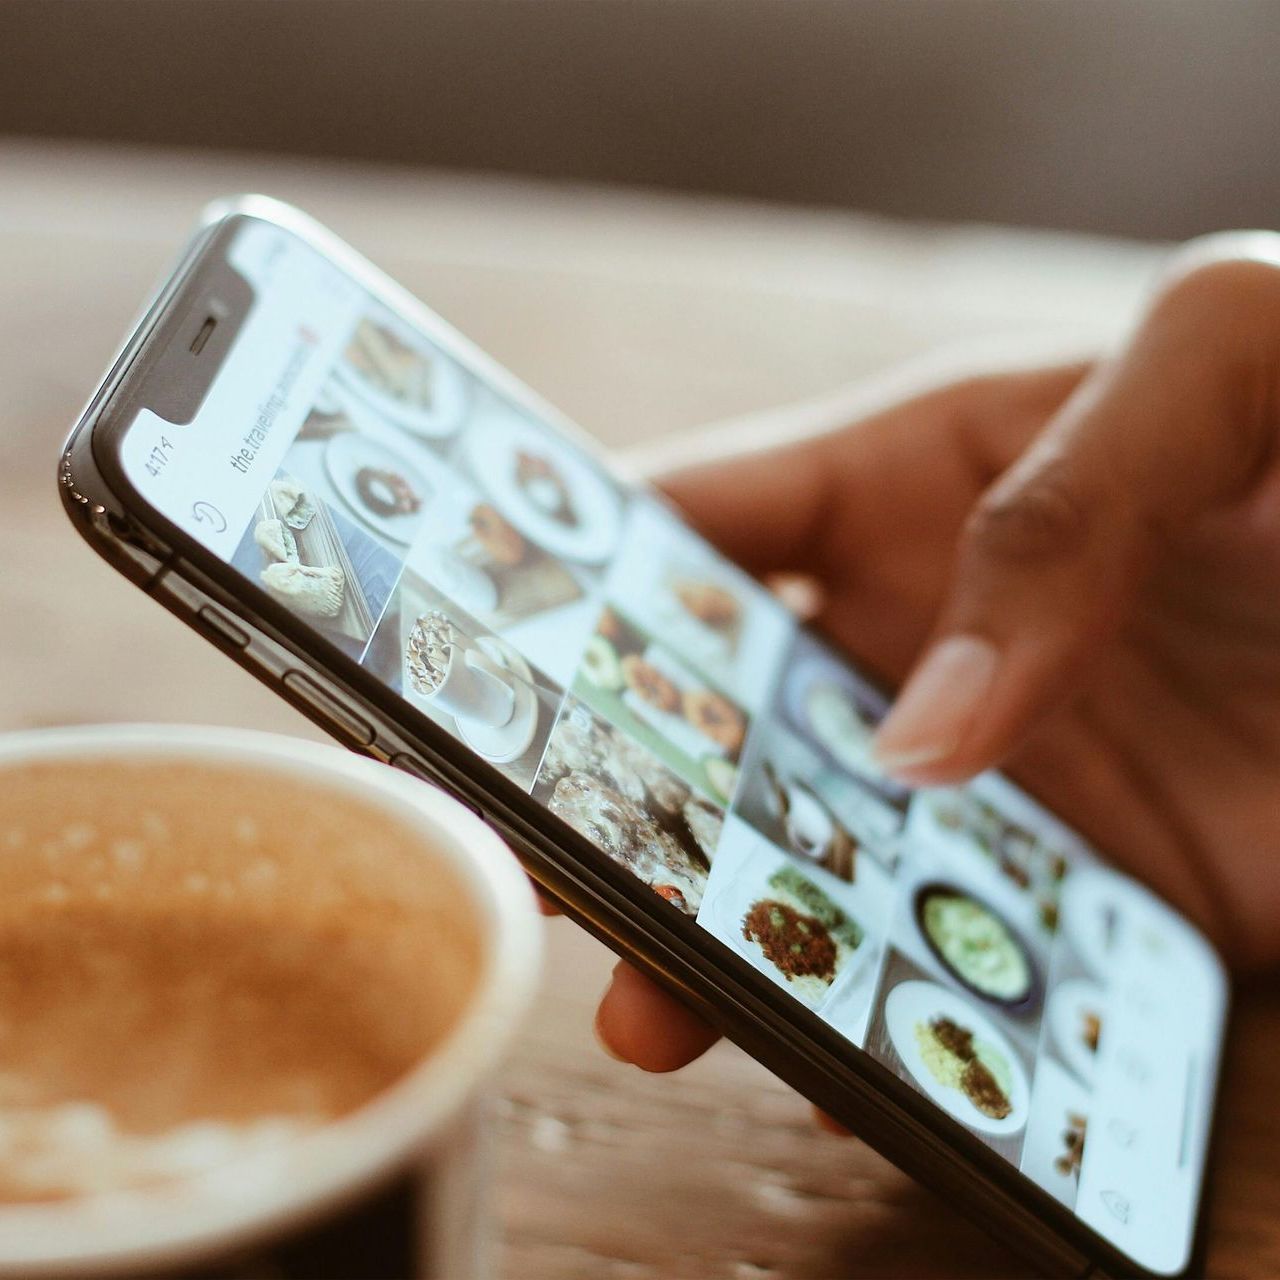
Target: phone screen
point(374, 475)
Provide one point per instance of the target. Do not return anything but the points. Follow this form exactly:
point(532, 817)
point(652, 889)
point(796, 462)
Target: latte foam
point(199, 962)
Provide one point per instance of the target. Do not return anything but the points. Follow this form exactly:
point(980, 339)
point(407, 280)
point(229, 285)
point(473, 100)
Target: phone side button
point(221, 629)
point(336, 715)
point(415, 768)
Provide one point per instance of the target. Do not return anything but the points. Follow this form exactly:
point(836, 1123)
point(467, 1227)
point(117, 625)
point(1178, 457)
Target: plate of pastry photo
point(546, 488)
point(379, 486)
point(958, 1057)
point(634, 682)
point(701, 614)
point(304, 562)
point(393, 371)
point(660, 690)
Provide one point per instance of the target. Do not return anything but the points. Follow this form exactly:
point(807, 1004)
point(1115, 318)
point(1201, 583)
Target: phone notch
point(216, 312)
point(199, 337)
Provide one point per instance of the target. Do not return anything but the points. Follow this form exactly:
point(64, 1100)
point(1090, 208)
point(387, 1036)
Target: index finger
point(772, 492)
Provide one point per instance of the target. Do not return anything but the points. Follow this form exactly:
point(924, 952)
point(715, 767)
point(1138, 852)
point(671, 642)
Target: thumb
point(1053, 556)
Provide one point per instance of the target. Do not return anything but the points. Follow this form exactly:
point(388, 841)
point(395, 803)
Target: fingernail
point(936, 710)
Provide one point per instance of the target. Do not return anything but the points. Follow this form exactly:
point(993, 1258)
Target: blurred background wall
point(1147, 117)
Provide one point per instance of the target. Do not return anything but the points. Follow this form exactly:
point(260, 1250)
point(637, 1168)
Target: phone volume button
point(221, 628)
point(415, 768)
point(334, 714)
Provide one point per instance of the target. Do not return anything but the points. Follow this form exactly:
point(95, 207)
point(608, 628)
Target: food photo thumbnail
point(798, 930)
point(356, 461)
point(1057, 1131)
point(471, 553)
point(972, 937)
point(975, 828)
point(1077, 1016)
point(978, 948)
point(493, 568)
point(623, 799)
point(475, 684)
point(637, 683)
point(546, 488)
point(393, 370)
point(520, 532)
point(707, 610)
point(951, 1051)
point(317, 563)
point(833, 710)
point(811, 808)
point(817, 937)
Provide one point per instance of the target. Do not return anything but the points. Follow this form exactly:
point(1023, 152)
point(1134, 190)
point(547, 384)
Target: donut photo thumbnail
point(636, 683)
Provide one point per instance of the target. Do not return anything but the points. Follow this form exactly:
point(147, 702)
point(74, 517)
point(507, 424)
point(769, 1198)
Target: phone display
point(369, 472)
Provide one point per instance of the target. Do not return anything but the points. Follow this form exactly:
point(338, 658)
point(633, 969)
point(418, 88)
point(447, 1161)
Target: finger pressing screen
point(1053, 557)
point(639, 1023)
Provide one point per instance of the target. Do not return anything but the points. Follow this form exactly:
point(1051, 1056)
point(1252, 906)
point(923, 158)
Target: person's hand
point(1076, 572)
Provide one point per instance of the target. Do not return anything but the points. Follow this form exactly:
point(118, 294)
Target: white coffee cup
point(424, 1126)
point(475, 689)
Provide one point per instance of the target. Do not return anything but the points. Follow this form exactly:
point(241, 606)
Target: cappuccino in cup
point(221, 955)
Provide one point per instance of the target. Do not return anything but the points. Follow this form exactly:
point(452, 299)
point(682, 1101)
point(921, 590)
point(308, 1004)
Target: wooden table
point(638, 315)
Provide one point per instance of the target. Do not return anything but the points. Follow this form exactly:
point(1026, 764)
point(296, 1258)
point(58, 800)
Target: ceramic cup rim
point(353, 1154)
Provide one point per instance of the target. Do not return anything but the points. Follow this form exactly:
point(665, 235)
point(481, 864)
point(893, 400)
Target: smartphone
point(353, 502)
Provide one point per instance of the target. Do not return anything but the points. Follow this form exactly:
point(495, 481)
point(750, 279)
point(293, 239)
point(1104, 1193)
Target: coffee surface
point(197, 955)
